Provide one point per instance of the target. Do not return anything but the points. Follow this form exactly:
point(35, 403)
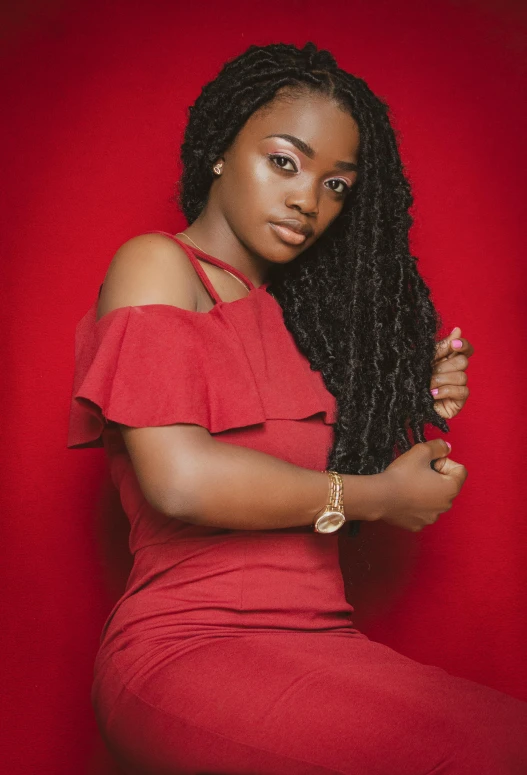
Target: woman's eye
point(278, 160)
point(344, 186)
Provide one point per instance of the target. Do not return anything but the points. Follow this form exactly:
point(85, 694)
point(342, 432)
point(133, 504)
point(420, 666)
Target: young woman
point(260, 382)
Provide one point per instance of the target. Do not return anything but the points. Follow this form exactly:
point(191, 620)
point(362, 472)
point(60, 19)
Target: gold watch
point(332, 517)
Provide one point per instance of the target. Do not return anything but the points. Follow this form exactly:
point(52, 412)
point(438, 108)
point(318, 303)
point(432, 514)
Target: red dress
point(234, 651)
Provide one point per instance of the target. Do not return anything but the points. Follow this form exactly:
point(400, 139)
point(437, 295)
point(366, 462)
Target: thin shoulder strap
point(196, 264)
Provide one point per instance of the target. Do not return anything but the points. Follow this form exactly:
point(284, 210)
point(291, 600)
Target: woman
point(257, 381)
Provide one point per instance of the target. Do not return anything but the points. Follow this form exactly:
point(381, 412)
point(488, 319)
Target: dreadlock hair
point(354, 301)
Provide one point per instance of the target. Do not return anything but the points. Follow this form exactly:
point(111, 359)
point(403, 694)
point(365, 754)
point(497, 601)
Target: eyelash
point(273, 156)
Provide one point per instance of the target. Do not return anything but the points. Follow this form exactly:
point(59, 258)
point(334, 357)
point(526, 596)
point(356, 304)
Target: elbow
point(169, 463)
point(178, 498)
point(175, 502)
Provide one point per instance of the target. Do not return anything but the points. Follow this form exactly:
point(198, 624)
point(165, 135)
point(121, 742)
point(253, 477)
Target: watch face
point(330, 521)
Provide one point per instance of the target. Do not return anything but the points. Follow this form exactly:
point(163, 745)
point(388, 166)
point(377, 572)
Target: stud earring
point(217, 168)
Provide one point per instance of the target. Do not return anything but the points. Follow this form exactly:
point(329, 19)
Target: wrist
point(365, 496)
point(332, 517)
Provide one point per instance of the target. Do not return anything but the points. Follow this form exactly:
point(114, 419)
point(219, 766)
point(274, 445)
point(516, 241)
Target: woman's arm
point(184, 472)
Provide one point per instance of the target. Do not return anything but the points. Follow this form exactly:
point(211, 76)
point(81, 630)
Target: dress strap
point(195, 263)
point(191, 251)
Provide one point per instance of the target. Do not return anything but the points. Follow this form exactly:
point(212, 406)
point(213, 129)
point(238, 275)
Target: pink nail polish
point(435, 391)
point(449, 444)
point(457, 343)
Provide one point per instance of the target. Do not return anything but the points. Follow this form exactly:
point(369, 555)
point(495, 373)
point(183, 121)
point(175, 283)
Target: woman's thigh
point(306, 703)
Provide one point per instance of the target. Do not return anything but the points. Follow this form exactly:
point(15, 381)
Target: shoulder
point(149, 269)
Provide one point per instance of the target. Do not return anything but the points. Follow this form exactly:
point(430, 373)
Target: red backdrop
point(95, 95)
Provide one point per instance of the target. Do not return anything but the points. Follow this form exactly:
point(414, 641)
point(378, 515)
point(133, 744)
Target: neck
point(214, 236)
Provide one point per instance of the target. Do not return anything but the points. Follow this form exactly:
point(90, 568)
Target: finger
point(448, 378)
point(436, 448)
point(457, 362)
point(449, 467)
point(443, 347)
point(438, 464)
point(457, 470)
point(455, 392)
point(461, 345)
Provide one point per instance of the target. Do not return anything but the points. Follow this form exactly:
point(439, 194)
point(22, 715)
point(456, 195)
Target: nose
point(304, 198)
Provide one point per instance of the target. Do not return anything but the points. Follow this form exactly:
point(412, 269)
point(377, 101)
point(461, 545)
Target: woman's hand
point(449, 380)
point(419, 485)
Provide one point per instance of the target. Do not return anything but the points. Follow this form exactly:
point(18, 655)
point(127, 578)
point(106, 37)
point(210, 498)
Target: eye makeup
point(310, 153)
point(273, 157)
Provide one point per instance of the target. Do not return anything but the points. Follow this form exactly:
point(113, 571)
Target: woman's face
point(302, 176)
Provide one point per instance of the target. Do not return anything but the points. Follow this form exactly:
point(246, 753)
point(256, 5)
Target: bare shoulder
point(149, 269)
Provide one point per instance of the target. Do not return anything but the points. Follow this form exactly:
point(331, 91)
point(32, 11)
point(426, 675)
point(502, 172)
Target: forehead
point(313, 118)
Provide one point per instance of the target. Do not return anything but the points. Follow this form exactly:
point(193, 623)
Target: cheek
point(259, 182)
point(330, 209)
point(254, 188)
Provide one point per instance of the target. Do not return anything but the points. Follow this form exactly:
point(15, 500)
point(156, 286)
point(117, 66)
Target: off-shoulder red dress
point(234, 651)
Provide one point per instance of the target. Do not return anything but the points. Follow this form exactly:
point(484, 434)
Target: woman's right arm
point(186, 473)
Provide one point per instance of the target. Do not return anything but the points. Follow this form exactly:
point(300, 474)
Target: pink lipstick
point(288, 235)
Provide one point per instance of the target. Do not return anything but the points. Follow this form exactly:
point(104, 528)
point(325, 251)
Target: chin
point(282, 253)
point(284, 256)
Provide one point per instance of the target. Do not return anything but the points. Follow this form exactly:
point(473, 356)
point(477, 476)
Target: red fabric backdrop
point(95, 95)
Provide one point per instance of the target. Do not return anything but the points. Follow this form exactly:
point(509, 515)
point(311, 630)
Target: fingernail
point(449, 445)
point(457, 343)
point(435, 391)
point(453, 330)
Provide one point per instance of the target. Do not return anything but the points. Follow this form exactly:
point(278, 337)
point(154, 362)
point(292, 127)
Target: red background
point(95, 95)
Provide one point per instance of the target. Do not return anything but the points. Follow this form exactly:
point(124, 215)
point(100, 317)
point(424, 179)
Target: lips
point(292, 231)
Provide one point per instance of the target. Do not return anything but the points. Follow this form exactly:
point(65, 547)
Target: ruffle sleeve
point(159, 364)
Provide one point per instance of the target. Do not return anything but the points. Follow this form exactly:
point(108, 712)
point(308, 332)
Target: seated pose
point(261, 382)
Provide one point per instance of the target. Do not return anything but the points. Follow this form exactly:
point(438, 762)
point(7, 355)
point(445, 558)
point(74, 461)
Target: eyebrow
point(345, 166)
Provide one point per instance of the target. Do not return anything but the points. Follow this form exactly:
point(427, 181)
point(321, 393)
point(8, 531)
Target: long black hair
point(355, 303)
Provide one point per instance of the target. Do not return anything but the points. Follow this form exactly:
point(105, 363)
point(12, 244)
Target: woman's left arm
point(449, 379)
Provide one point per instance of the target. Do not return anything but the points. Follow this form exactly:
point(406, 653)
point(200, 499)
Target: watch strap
point(335, 505)
point(336, 492)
